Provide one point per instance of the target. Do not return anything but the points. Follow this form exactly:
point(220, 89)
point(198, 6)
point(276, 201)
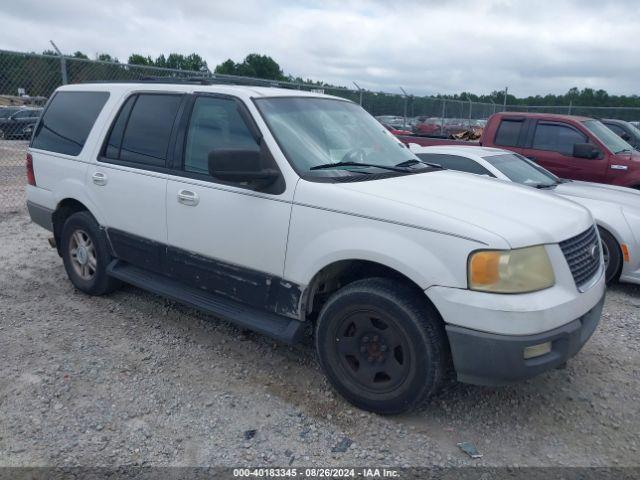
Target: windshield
point(319, 132)
point(521, 170)
point(635, 132)
point(610, 139)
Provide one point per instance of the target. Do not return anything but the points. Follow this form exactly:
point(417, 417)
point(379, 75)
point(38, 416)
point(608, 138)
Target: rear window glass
point(142, 130)
point(508, 133)
point(68, 120)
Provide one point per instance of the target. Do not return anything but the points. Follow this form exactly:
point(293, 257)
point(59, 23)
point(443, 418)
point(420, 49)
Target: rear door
point(510, 133)
point(129, 180)
point(550, 144)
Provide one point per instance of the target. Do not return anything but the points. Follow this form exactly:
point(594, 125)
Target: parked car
point(20, 124)
point(578, 148)
point(7, 111)
point(394, 121)
point(625, 130)
point(290, 212)
point(396, 131)
point(615, 209)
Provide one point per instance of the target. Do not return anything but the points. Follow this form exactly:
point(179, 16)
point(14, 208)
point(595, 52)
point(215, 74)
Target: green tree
point(228, 67)
point(137, 59)
point(254, 65)
point(105, 57)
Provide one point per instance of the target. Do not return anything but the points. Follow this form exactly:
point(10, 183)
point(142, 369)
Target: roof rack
point(210, 80)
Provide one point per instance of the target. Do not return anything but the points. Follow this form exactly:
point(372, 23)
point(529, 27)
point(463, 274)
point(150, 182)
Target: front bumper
point(491, 359)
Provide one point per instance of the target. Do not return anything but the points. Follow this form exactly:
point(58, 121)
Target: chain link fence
point(27, 80)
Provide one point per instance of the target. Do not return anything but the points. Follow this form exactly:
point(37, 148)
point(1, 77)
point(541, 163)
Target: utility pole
point(63, 64)
point(570, 106)
point(404, 124)
point(359, 90)
point(504, 106)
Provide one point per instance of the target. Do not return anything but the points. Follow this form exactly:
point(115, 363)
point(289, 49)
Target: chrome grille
point(582, 257)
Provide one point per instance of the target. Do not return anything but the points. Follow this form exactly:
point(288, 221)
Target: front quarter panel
point(320, 237)
point(616, 220)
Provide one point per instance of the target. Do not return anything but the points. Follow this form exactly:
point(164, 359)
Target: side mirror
point(241, 166)
point(625, 136)
point(585, 150)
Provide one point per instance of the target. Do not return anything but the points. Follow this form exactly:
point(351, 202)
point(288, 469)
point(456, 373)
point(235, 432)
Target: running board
point(278, 327)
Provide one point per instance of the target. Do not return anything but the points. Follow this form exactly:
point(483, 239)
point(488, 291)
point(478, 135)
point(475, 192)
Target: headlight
point(510, 271)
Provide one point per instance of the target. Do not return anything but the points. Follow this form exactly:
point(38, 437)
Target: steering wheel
point(357, 155)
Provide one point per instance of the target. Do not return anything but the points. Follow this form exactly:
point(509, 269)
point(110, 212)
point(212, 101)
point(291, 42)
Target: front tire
point(86, 255)
point(612, 256)
point(382, 345)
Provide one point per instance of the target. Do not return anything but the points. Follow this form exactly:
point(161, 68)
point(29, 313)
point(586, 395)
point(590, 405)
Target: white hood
point(488, 210)
point(620, 196)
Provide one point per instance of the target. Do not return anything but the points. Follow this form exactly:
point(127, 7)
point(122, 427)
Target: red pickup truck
point(579, 148)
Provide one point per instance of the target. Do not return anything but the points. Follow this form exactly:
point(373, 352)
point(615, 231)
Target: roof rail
point(210, 80)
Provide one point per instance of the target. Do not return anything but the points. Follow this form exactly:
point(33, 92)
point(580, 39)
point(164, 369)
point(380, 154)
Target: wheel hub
point(373, 347)
point(81, 255)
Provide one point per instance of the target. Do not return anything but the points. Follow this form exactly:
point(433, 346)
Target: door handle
point(99, 178)
point(189, 198)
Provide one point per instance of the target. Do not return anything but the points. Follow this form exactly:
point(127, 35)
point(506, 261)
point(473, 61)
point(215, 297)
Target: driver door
point(224, 238)
point(552, 148)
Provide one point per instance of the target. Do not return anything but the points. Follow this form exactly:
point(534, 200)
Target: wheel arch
point(64, 209)
point(340, 273)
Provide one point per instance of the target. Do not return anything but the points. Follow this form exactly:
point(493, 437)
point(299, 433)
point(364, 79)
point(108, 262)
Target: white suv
point(289, 212)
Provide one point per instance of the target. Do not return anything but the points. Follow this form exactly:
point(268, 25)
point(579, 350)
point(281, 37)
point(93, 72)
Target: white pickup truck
point(297, 214)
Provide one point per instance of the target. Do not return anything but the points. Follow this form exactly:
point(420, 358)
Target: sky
point(426, 47)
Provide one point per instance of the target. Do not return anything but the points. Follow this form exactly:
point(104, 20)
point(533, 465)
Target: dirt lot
point(12, 175)
point(134, 379)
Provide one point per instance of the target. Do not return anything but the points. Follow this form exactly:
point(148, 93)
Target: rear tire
point(86, 255)
point(612, 255)
point(382, 345)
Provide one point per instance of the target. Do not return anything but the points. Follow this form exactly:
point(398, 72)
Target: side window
point(68, 120)
point(215, 123)
point(616, 129)
point(141, 132)
point(508, 133)
point(455, 162)
point(557, 138)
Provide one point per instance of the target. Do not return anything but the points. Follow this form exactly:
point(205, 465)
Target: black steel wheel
point(382, 345)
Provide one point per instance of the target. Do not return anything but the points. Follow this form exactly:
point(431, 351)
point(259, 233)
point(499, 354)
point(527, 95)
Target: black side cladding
point(258, 289)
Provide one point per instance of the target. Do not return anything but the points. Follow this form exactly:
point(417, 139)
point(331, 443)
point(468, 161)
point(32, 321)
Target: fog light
point(537, 350)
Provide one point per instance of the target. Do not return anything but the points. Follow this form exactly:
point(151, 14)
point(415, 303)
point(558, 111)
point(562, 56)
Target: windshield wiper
point(357, 164)
point(413, 161)
point(546, 185)
point(625, 150)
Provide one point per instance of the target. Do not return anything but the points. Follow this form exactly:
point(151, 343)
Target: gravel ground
point(12, 175)
point(135, 379)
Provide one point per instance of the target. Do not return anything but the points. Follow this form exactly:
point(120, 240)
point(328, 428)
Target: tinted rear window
point(68, 120)
point(508, 133)
point(142, 130)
